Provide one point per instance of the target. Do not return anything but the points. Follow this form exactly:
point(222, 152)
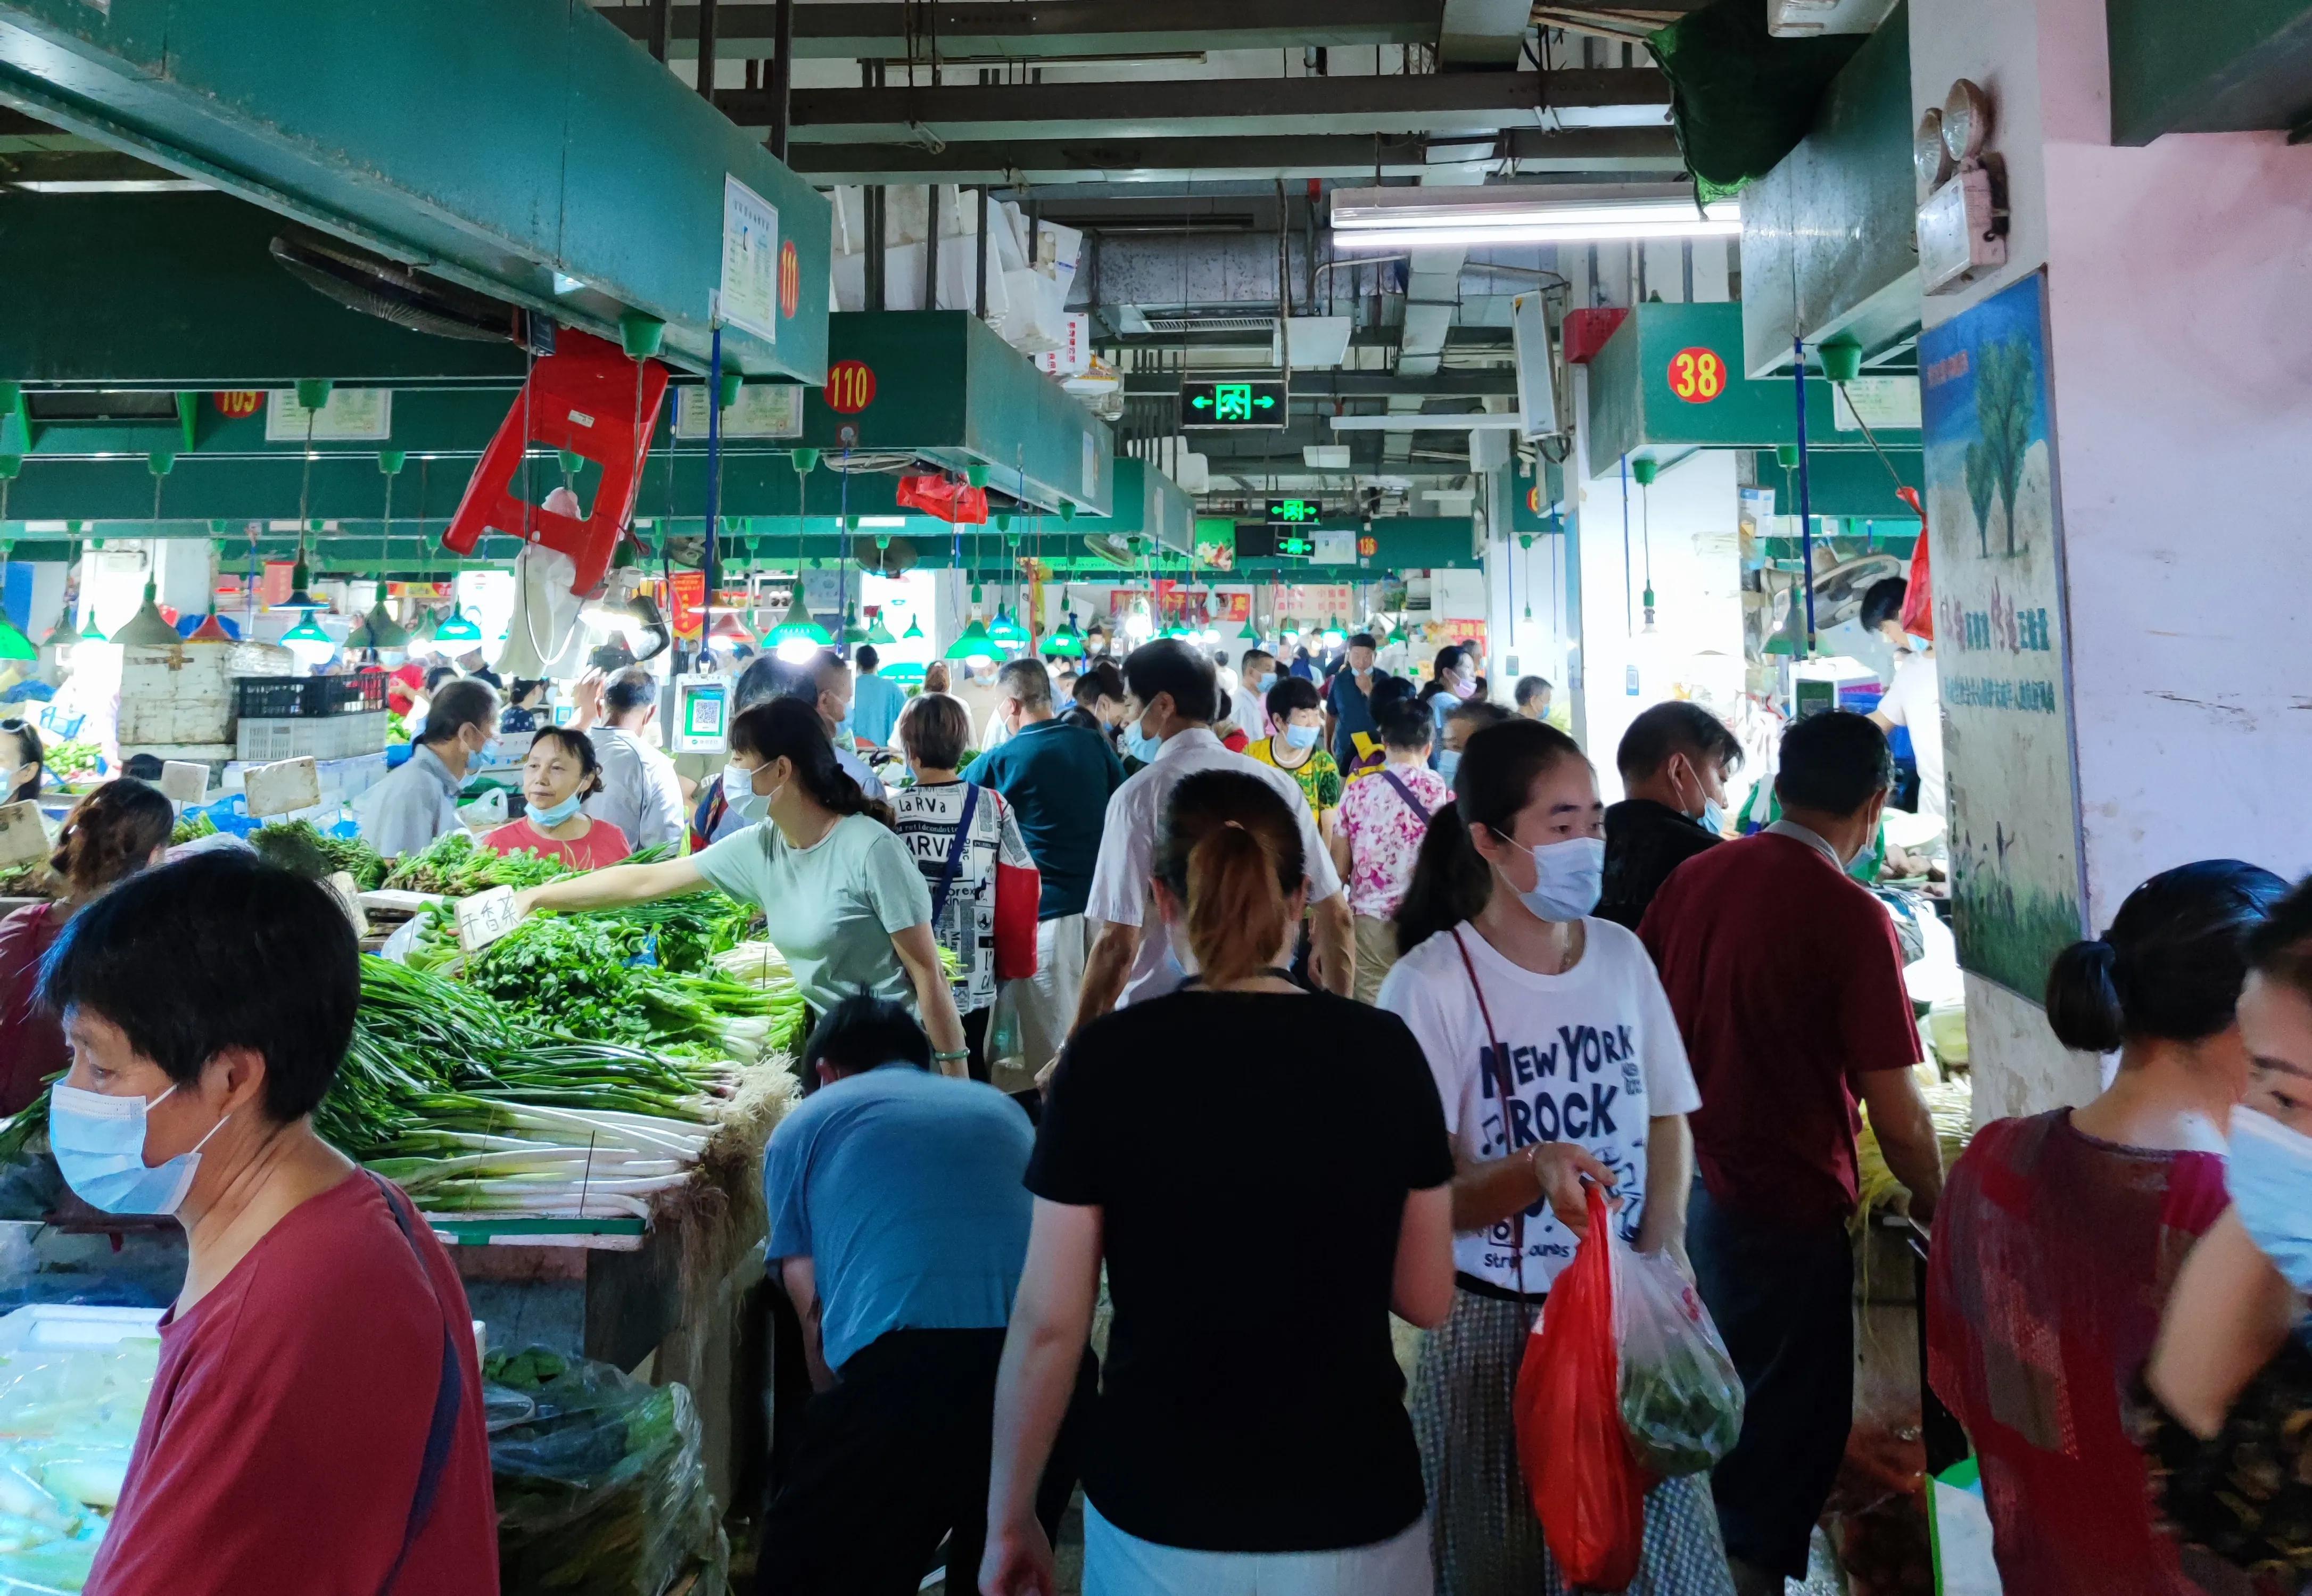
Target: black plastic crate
point(269, 698)
point(342, 695)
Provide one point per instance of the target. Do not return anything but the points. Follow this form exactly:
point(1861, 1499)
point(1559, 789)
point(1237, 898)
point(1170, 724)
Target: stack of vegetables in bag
point(600, 1487)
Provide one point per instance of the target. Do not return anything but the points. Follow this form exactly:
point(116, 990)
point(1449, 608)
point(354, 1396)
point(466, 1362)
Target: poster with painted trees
point(1994, 515)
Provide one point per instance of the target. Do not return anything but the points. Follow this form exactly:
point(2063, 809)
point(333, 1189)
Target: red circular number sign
point(1369, 546)
point(790, 279)
point(1697, 375)
point(850, 387)
point(239, 403)
point(1533, 498)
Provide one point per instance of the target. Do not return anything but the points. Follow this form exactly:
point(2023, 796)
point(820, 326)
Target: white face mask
point(1568, 879)
point(738, 792)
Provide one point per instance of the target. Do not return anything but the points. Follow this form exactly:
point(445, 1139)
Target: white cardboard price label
point(184, 781)
point(22, 839)
point(282, 787)
point(485, 917)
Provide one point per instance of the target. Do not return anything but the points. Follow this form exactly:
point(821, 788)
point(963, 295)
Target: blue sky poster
point(1994, 514)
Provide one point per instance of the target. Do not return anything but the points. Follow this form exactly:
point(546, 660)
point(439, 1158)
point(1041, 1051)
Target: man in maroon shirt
point(1786, 981)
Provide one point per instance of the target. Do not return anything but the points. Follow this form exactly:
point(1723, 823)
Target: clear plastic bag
point(600, 1487)
point(1681, 1397)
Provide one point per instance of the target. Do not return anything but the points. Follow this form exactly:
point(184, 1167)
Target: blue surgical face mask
point(1714, 817)
point(1448, 761)
point(1139, 745)
point(1919, 644)
point(1301, 736)
point(554, 814)
point(490, 749)
point(1258, 685)
point(2270, 1178)
point(1568, 878)
point(99, 1142)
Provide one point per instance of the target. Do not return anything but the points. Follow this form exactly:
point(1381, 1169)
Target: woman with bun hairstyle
point(2059, 1235)
point(841, 899)
point(1252, 1433)
point(110, 835)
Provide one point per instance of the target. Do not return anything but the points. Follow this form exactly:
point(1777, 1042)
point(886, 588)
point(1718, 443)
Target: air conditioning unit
point(1804, 19)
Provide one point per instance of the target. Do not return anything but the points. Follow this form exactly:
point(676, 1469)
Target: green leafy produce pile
point(35, 880)
point(474, 1109)
point(456, 866)
point(600, 1487)
point(313, 854)
point(578, 975)
point(192, 827)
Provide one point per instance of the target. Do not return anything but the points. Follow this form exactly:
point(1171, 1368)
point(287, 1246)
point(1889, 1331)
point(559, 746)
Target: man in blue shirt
point(1057, 778)
point(875, 703)
point(899, 1225)
point(1348, 703)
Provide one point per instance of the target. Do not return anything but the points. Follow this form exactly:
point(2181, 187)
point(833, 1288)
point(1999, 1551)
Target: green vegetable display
point(313, 854)
point(192, 827)
point(456, 866)
point(71, 758)
point(578, 975)
point(35, 880)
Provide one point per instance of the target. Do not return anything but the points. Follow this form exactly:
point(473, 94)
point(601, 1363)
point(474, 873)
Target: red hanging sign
point(686, 608)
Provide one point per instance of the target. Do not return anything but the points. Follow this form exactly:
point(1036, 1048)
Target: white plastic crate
point(46, 1327)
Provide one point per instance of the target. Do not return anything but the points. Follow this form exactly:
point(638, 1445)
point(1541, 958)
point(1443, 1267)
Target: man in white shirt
point(1252, 696)
point(640, 793)
point(1915, 701)
point(1173, 699)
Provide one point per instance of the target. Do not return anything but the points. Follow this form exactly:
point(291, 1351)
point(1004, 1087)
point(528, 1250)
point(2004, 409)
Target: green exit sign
point(1296, 548)
point(1234, 402)
point(1294, 511)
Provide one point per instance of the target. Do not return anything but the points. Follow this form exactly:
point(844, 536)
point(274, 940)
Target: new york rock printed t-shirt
point(1594, 1054)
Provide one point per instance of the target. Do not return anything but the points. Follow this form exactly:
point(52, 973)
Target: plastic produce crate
point(269, 698)
point(53, 1326)
point(343, 694)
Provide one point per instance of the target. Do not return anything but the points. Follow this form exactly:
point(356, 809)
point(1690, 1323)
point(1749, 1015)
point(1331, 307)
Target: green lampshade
point(1007, 631)
point(853, 633)
point(1251, 634)
point(799, 636)
point(357, 636)
point(384, 631)
point(915, 629)
point(301, 597)
point(974, 645)
point(878, 634)
point(1067, 643)
point(145, 630)
point(1334, 635)
point(456, 630)
point(309, 630)
point(14, 645)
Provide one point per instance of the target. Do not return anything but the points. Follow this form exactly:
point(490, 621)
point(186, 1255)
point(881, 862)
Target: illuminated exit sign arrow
point(1234, 402)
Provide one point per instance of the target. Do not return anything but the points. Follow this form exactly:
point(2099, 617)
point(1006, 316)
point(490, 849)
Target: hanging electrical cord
point(1629, 623)
point(843, 562)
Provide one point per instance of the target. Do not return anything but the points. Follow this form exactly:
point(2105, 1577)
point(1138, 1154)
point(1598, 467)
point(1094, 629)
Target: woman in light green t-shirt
point(842, 900)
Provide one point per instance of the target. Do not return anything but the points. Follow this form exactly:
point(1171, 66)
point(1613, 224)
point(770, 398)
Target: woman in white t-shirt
point(1522, 1000)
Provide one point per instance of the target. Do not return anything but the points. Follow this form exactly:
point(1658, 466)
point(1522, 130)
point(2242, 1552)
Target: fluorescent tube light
point(1417, 218)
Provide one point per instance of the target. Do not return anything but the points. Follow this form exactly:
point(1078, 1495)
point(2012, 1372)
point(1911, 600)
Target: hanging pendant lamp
point(147, 629)
point(456, 628)
point(1065, 643)
point(974, 646)
point(878, 634)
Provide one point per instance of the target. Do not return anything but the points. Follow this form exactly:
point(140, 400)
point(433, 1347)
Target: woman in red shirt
point(2059, 1236)
point(562, 772)
point(111, 833)
point(316, 1423)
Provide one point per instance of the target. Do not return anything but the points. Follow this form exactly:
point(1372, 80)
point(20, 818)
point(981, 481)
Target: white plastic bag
point(1681, 1397)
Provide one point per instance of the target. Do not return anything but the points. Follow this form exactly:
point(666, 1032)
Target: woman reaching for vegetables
point(841, 899)
point(561, 773)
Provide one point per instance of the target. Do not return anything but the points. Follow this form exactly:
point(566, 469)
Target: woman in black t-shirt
point(1252, 1412)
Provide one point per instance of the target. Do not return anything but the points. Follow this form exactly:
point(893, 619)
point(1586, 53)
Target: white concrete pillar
point(2179, 374)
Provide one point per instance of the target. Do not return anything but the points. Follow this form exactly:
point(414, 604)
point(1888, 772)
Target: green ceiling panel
point(1635, 383)
point(1843, 482)
point(2234, 66)
point(493, 148)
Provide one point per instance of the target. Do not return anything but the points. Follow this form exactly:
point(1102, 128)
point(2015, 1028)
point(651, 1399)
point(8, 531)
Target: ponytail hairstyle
point(29, 751)
point(580, 747)
point(790, 729)
point(1452, 881)
point(2171, 967)
point(1230, 849)
point(110, 835)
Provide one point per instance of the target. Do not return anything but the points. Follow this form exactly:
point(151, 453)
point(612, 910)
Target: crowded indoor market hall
point(1034, 878)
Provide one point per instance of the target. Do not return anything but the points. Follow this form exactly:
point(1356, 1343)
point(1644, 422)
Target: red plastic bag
point(1918, 617)
point(1587, 1488)
point(945, 498)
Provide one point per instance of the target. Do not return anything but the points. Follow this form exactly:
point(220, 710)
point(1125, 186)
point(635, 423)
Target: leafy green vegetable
point(193, 827)
point(313, 854)
point(456, 866)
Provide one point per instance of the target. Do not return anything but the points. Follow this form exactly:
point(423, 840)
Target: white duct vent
point(1264, 326)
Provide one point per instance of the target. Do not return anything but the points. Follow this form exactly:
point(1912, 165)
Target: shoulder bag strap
point(955, 850)
point(449, 1400)
point(1508, 1083)
point(1414, 804)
